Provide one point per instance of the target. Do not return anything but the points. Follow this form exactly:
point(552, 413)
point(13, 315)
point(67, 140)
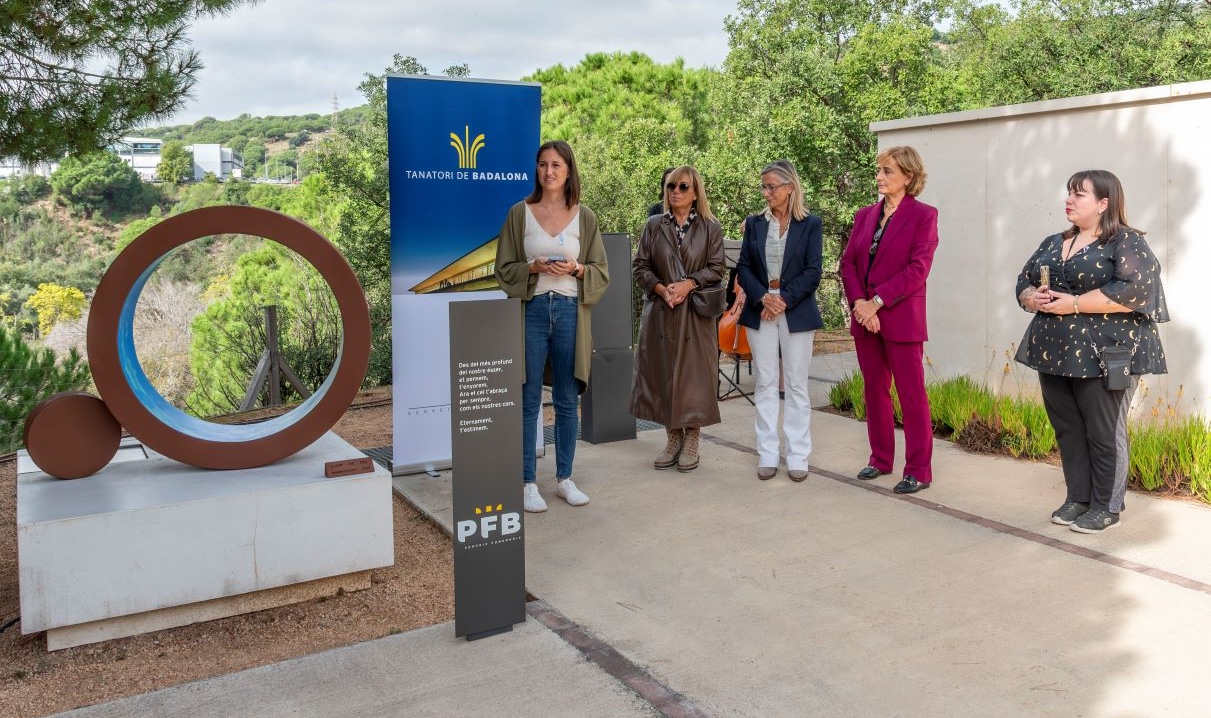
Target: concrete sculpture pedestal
point(149, 543)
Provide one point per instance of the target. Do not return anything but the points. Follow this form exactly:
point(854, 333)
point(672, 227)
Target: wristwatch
point(877, 300)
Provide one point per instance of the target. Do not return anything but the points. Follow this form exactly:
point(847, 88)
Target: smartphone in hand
point(1044, 276)
point(556, 258)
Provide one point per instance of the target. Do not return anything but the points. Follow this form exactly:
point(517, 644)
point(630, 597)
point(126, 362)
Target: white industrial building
point(141, 153)
point(224, 162)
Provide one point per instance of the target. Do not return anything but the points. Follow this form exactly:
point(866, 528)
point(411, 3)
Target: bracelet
point(1076, 308)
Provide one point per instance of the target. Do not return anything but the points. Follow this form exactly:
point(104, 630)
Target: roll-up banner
point(460, 153)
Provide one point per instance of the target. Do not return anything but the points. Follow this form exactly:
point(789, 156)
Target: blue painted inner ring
point(173, 417)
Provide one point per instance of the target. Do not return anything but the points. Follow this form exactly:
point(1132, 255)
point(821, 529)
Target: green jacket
point(513, 274)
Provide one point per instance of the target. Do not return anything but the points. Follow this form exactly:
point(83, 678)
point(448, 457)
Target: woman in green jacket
point(550, 255)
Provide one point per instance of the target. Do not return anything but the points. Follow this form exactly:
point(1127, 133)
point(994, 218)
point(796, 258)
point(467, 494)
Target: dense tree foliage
point(75, 75)
point(229, 336)
point(101, 182)
point(627, 118)
point(176, 163)
point(1027, 50)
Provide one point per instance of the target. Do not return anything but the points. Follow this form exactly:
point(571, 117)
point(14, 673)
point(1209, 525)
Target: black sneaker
point(1069, 512)
point(1094, 521)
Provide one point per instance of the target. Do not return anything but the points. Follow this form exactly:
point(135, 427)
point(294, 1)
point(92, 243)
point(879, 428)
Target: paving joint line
point(998, 526)
point(668, 702)
point(658, 695)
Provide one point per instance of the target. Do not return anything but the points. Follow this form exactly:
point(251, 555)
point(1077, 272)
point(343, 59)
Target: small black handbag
point(1116, 367)
point(709, 301)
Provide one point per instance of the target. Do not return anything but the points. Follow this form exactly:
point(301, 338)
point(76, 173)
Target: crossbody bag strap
point(677, 257)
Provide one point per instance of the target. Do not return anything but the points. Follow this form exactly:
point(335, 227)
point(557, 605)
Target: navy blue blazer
point(802, 266)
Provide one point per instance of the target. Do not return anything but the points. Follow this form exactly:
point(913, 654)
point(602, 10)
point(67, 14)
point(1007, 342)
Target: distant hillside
point(280, 140)
point(273, 128)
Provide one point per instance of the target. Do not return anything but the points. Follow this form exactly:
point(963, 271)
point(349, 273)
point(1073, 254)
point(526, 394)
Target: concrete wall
point(997, 177)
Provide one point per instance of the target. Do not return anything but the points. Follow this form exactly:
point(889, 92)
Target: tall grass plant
point(1167, 453)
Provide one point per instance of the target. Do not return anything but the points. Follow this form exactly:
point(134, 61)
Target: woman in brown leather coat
point(678, 355)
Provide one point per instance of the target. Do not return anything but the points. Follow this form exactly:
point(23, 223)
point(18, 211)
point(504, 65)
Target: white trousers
point(797, 409)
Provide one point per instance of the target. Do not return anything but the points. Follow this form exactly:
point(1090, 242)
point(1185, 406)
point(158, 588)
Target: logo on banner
point(490, 527)
point(468, 159)
point(467, 148)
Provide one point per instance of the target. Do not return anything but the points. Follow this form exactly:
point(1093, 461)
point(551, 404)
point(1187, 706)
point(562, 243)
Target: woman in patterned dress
point(1104, 291)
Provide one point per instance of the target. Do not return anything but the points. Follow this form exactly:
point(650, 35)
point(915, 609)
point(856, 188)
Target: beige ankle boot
point(688, 460)
point(668, 458)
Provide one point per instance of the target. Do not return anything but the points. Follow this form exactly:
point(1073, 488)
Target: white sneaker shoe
point(531, 500)
point(567, 491)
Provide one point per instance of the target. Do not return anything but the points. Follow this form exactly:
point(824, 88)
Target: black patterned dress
point(1127, 272)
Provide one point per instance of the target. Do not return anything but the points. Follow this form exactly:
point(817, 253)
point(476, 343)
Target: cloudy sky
point(286, 57)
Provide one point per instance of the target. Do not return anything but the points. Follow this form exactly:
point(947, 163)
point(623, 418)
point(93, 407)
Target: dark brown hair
point(571, 189)
point(1105, 186)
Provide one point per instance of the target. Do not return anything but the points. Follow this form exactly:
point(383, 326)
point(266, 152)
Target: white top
point(540, 245)
point(775, 247)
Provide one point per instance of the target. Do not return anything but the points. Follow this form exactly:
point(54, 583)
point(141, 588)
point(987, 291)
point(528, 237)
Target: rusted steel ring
point(136, 404)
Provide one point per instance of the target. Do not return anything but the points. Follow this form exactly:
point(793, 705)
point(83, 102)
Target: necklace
point(1072, 249)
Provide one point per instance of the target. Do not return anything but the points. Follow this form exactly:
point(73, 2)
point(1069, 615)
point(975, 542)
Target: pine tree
point(27, 376)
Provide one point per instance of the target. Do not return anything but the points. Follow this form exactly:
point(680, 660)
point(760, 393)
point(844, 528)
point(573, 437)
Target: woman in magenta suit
point(884, 269)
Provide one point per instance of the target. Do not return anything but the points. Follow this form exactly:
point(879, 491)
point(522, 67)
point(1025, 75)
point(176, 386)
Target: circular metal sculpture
point(135, 403)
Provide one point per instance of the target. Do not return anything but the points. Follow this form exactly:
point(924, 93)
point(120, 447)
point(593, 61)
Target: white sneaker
point(567, 491)
point(531, 500)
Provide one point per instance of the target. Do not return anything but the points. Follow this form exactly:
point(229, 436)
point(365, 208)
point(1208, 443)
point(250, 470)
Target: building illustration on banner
point(472, 272)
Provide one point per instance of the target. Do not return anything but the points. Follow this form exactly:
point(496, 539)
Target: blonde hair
point(909, 161)
point(695, 180)
point(785, 172)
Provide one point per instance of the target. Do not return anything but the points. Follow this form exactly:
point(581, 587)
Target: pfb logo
point(467, 148)
point(491, 523)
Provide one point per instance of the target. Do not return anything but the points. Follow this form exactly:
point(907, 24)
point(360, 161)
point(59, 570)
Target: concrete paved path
point(723, 595)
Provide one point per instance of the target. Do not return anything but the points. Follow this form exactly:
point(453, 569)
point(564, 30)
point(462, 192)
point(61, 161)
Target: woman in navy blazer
point(884, 268)
point(780, 264)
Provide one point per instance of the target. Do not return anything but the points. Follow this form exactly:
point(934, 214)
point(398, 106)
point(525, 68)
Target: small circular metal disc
point(72, 435)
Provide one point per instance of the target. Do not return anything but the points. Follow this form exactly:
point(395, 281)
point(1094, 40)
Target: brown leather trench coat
point(678, 356)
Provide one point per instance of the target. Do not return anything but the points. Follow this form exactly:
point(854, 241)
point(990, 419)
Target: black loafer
point(869, 473)
point(910, 485)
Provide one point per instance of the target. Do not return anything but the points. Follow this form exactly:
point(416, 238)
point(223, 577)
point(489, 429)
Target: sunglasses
point(684, 186)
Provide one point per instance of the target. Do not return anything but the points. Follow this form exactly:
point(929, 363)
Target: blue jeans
point(550, 334)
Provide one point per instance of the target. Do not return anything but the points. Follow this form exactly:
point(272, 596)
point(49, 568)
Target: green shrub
point(846, 395)
point(1168, 453)
point(952, 405)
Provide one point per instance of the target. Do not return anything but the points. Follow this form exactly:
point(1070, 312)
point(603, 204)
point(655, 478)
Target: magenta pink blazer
point(899, 270)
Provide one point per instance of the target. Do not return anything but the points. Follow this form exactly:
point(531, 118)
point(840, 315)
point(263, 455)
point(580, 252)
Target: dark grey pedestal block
point(604, 412)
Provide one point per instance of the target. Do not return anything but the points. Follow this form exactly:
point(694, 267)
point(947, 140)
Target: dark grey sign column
point(605, 411)
point(485, 422)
